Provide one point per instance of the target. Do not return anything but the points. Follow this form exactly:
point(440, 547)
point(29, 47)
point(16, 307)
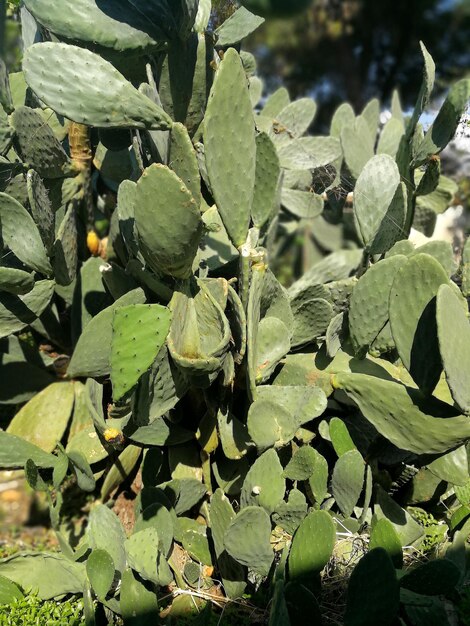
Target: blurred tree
point(357, 49)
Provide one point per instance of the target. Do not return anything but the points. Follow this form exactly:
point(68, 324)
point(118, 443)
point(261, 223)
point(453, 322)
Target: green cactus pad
point(357, 144)
point(253, 315)
point(343, 116)
point(100, 572)
point(137, 598)
point(303, 204)
point(247, 539)
point(340, 437)
point(465, 268)
point(348, 480)
point(105, 532)
point(454, 345)
point(402, 415)
point(160, 389)
point(413, 318)
point(374, 193)
point(183, 160)
point(120, 471)
point(184, 89)
point(309, 153)
point(97, 22)
point(199, 333)
point(270, 425)
point(276, 102)
point(435, 578)
point(409, 531)
point(275, 301)
point(302, 464)
point(43, 420)
point(15, 281)
point(311, 319)
point(317, 489)
point(139, 331)
point(442, 251)
point(142, 553)
point(233, 574)
point(373, 593)
point(264, 485)
point(369, 306)
point(233, 435)
point(444, 126)
point(21, 235)
point(168, 221)
point(335, 266)
point(229, 130)
point(312, 546)
point(293, 121)
point(384, 535)
point(452, 467)
point(87, 360)
point(289, 515)
point(304, 403)
point(268, 172)
point(238, 26)
point(268, 352)
point(37, 143)
point(16, 312)
point(15, 451)
point(429, 73)
point(85, 99)
point(371, 113)
point(41, 208)
point(390, 137)
point(65, 249)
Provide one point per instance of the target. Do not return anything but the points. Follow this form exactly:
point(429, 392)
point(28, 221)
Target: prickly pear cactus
point(150, 325)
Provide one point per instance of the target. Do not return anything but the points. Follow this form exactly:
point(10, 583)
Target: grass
point(31, 611)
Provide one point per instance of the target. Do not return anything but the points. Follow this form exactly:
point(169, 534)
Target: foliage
point(31, 610)
point(146, 196)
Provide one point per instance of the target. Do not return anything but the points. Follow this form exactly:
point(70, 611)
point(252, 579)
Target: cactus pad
point(454, 344)
point(247, 539)
point(167, 220)
point(139, 331)
point(229, 132)
point(95, 93)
